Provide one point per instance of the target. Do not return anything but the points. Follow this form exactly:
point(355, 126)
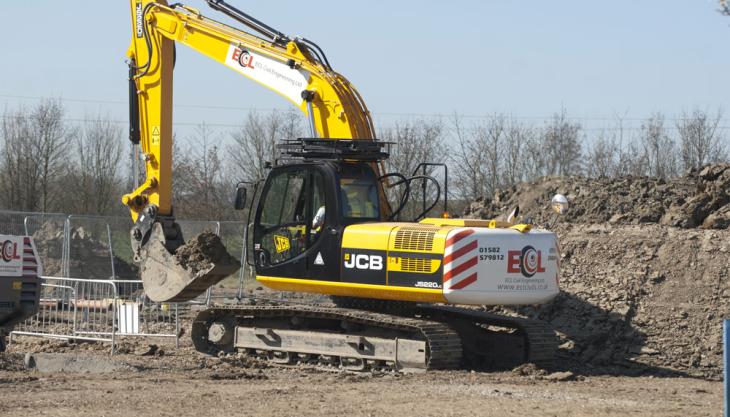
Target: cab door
point(291, 230)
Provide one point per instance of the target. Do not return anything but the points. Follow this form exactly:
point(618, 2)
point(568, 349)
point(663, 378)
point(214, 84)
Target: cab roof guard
point(316, 149)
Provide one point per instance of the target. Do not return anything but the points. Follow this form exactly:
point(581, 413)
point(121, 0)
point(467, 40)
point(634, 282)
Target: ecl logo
point(243, 57)
point(10, 251)
point(528, 261)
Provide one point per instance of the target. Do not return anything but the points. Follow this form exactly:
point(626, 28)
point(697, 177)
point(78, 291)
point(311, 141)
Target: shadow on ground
point(595, 341)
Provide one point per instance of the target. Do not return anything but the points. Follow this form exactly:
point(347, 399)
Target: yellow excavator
point(323, 223)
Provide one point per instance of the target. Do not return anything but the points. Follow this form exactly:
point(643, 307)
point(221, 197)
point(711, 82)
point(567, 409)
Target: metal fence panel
point(99, 310)
point(105, 299)
point(94, 245)
point(191, 228)
point(11, 223)
point(50, 235)
point(233, 235)
point(151, 319)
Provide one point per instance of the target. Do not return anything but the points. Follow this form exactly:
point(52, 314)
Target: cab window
point(359, 198)
point(359, 193)
point(288, 222)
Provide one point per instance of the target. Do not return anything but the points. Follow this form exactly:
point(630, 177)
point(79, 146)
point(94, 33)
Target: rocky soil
point(645, 271)
point(641, 299)
point(203, 250)
point(154, 380)
point(701, 198)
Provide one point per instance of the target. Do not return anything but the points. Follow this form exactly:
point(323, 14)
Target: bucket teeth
point(185, 272)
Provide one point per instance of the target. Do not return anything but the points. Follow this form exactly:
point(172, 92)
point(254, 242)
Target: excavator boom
point(294, 68)
point(288, 67)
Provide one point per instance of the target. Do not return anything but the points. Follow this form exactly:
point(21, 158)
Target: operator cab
point(302, 212)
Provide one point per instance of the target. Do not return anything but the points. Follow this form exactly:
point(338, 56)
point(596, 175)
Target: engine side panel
point(447, 264)
point(500, 266)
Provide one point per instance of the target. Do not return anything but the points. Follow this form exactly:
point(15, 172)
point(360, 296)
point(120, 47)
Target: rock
point(657, 277)
point(150, 350)
point(645, 350)
point(568, 345)
point(560, 376)
point(60, 362)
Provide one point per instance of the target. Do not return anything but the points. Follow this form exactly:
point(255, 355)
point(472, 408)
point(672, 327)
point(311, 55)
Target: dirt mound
point(88, 258)
point(645, 271)
point(701, 198)
point(641, 297)
point(49, 242)
point(204, 249)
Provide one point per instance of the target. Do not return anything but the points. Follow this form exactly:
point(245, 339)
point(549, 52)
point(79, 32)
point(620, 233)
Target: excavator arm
point(295, 68)
point(290, 67)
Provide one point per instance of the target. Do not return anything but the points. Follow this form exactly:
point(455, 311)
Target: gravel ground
point(186, 383)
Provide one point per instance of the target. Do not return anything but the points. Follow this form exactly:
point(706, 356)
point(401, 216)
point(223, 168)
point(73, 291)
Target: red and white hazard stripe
point(31, 266)
point(460, 260)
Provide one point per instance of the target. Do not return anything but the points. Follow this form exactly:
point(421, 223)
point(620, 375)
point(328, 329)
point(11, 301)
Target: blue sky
point(407, 58)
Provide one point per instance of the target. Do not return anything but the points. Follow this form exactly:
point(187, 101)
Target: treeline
point(50, 164)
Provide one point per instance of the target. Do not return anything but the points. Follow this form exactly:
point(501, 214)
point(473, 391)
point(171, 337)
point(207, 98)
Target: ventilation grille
point(414, 239)
point(415, 265)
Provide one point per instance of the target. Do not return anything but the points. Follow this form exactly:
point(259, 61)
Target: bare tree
point(629, 161)
point(602, 157)
point(415, 142)
point(562, 145)
point(536, 158)
point(632, 160)
point(516, 139)
point(19, 173)
point(255, 142)
point(33, 146)
point(480, 158)
point(51, 136)
point(93, 172)
point(491, 137)
point(199, 185)
point(658, 148)
point(466, 158)
point(700, 141)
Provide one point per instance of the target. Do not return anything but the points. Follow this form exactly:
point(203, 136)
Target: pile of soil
point(643, 298)
point(700, 198)
point(49, 242)
point(202, 251)
point(645, 271)
point(89, 257)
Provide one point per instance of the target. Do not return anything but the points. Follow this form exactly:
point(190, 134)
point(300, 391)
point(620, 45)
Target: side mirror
point(240, 201)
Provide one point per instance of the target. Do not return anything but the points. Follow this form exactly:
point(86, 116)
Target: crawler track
point(442, 343)
point(451, 337)
point(520, 341)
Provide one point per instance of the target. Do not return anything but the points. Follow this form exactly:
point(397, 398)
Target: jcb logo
point(361, 261)
point(282, 243)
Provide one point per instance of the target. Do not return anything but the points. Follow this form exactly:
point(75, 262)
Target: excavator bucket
point(176, 272)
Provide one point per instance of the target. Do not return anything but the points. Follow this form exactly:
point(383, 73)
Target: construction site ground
point(645, 284)
point(162, 381)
